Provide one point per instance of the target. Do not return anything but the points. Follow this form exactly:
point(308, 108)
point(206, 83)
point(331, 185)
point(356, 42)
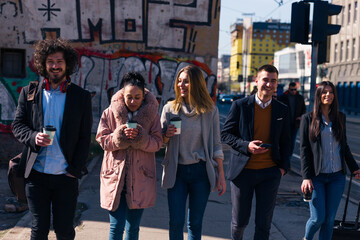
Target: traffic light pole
point(314, 56)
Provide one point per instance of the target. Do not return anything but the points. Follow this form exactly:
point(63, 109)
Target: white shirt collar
point(260, 103)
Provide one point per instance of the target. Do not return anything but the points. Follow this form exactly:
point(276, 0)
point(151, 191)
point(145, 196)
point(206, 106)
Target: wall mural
point(155, 37)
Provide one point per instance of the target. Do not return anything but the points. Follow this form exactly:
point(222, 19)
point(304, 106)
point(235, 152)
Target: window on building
point(349, 13)
point(274, 31)
point(287, 63)
point(274, 36)
point(336, 52)
point(273, 45)
point(254, 44)
point(266, 50)
point(267, 45)
point(260, 45)
point(266, 57)
point(355, 11)
point(12, 63)
point(341, 50)
point(255, 35)
point(268, 31)
point(342, 17)
point(353, 48)
point(347, 50)
point(280, 41)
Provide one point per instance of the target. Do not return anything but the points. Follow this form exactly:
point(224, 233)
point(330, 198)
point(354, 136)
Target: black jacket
point(311, 152)
point(238, 131)
point(300, 107)
point(75, 130)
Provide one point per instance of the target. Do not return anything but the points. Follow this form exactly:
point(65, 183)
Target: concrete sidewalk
point(290, 215)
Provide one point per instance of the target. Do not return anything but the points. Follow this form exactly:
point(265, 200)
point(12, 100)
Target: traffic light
point(322, 53)
point(321, 29)
point(299, 29)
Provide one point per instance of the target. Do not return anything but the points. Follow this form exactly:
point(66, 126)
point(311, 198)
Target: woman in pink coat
point(128, 179)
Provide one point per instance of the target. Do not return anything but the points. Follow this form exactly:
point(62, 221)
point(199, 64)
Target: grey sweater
point(211, 143)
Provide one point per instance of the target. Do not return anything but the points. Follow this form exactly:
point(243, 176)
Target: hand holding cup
point(176, 122)
point(131, 131)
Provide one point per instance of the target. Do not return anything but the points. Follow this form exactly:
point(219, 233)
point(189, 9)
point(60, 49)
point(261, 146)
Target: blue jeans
point(192, 181)
point(125, 217)
point(264, 183)
point(327, 193)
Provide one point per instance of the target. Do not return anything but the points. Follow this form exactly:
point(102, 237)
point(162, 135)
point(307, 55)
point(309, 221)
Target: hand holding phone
point(265, 145)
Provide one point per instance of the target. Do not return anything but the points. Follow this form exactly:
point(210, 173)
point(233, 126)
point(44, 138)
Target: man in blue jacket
point(257, 130)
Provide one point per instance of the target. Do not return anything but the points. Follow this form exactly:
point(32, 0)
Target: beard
point(56, 78)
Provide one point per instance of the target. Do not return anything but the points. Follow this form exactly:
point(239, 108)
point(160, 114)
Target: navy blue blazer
point(238, 132)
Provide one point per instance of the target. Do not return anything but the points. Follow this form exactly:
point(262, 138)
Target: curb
point(22, 226)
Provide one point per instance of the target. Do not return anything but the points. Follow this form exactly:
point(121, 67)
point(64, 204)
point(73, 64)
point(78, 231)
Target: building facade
point(344, 64)
point(253, 44)
point(294, 65)
point(155, 38)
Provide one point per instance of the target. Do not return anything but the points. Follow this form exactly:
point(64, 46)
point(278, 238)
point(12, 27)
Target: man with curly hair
point(52, 167)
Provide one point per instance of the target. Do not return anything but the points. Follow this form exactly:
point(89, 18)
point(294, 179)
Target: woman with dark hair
point(324, 155)
point(128, 180)
point(193, 156)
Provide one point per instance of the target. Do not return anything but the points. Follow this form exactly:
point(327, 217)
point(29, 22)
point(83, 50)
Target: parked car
point(226, 98)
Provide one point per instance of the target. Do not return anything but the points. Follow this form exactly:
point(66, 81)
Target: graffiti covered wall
point(154, 37)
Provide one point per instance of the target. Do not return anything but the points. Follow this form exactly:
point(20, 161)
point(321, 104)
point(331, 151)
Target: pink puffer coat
point(134, 159)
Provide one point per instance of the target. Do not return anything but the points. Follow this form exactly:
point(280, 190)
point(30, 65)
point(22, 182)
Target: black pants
point(265, 184)
point(46, 192)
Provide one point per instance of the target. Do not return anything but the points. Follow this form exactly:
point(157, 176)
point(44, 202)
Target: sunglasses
point(292, 89)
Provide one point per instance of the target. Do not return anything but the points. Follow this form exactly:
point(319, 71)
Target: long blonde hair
point(199, 97)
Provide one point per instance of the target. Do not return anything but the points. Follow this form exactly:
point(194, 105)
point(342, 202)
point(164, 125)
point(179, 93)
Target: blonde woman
point(194, 157)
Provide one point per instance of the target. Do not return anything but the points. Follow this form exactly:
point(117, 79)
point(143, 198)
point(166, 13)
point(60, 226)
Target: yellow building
point(254, 44)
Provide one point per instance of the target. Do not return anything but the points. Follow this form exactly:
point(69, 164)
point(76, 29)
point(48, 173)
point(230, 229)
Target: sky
point(231, 10)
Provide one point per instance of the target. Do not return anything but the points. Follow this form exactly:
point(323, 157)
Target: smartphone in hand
point(265, 145)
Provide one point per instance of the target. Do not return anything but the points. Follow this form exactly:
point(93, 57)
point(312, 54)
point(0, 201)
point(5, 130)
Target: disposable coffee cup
point(50, 130)
point(307, 195)
point(131, 124)
point(176, 121)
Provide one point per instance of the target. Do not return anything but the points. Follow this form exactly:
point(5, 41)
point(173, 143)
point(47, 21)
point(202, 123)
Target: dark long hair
point(316, 123)
point(46, 47)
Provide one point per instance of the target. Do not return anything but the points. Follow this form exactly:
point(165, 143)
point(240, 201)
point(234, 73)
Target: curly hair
point(46, 47)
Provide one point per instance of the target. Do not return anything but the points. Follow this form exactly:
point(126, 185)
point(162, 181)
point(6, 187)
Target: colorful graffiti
point(101, 74)
point(154, 37)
